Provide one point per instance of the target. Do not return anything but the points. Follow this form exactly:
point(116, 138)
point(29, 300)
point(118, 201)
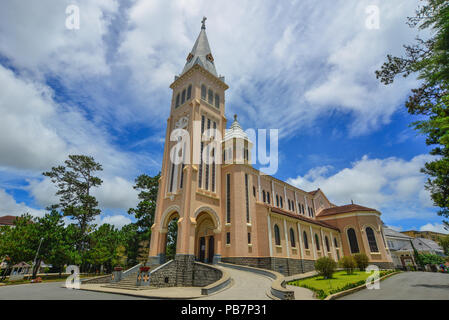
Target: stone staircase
point(129, 280)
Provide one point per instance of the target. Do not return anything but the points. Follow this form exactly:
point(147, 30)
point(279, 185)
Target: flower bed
point(144, 269)
point(340, 282)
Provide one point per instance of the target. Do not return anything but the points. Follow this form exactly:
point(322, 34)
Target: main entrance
point(205, 240)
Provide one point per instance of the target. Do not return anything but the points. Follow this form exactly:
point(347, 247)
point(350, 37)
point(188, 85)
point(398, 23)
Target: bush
point(431, 259)
point(348, 263)
point(361, 260)
point(325, 267)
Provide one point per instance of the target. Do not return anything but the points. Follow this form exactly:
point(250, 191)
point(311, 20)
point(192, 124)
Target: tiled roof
point(388, 232)
point(344, 209)
point(302, 218)
point(7, 220)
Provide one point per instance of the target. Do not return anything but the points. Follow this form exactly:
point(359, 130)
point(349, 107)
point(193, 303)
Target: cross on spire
point(203, 23)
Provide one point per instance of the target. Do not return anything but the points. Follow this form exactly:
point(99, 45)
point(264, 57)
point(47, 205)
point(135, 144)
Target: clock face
point(182, 123)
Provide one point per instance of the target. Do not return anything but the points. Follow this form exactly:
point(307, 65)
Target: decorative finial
point(235, 117)
point(203, 22)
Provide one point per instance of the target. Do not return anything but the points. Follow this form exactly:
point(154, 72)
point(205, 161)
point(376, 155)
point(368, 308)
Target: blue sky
point(302, 67)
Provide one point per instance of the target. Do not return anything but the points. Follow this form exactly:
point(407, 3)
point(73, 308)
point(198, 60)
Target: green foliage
point(75, 181)
point(325, 267)
point(431, 259)
point(444, 243)
point(348, 263)
point(429, 61)
point(417, 257)
point(146, 208)
point(104, 246)
point(361, 261)
point(172, 236)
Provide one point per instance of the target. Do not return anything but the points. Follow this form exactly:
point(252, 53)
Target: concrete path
point(54, 291)
point(408, 286)
point(245, 286)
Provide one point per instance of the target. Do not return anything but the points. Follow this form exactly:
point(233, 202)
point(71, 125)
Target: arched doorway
point(204, 238)
point(171, 236)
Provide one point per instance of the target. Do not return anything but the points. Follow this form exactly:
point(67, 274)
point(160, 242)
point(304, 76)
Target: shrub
point(325, 267)
point(361, 260)
point(431, 259)
point(348, 263)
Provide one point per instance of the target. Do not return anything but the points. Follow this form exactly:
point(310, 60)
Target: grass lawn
point(341, 280)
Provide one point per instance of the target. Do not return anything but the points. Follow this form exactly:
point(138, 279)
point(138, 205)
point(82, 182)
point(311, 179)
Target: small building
point(401, 250)
point(7, 220)
point(19, 271)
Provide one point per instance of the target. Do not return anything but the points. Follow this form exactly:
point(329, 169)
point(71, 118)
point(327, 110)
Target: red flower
point(144, 269)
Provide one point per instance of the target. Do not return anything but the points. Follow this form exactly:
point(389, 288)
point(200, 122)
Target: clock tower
point(190, 187)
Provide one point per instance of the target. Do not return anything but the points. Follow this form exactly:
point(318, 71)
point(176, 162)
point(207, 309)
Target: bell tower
point(190, 191)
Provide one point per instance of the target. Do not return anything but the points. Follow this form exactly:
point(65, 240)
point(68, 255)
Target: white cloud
point(436, 227)
point(393, 184)
point(9, 206)
point(116, 193)
point(116, 220)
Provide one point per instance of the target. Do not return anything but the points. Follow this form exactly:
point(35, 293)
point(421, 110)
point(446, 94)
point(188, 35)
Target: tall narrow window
point(171, 177)
point(213, 162)
point(203, 92)
point(249, 237)
point(182, 176)
point(254, 191)
point(228, 238)
point(210, 96)
point(306, 241)
point(371, 240)
point(217, 101)
point(189, 92)
point(277, 235)
point(288, 203)
point(228, 198)
point(206, 185)
point(277, 200)
point(353, 241)
point(282, 205)
point(263, 196)
point(177, 100)
point(268, 197)
point(326, 240)
point(292, 238)
point(335, 242)
point(303, 211)
point(200, 170)
point(183, 96)
point(247, 197)
point(317, 242)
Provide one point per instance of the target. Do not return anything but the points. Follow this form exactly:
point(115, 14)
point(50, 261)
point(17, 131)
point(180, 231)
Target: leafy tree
point(417, 257)
point(444, 243)
point(75, 181)
point(104, 247)
point(431, 259)
point(146, 208)
point(429, 60)
point(361, 260)
point(348, 263)
point(172, 237)
point(325, 267)
point(131, 240)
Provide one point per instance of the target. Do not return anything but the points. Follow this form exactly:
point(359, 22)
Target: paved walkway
point(408, 286)
point(54, 291)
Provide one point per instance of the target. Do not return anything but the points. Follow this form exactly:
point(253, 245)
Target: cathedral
point(229, 211)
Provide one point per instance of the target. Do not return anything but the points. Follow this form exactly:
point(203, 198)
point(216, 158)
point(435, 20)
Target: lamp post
point(37, 252)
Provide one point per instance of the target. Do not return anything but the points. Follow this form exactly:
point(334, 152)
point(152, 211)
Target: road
point(408, 286)
point(54, 291)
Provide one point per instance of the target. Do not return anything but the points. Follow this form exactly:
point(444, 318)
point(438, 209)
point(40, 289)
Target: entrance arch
point(169, 230)
point(205, 240)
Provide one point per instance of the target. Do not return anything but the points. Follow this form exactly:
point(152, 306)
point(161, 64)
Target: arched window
point(326, 240)
point(189, 92)
point(353, 241)
point(177, 100)
point(217, 101)
point(210, 96)
point(306, 241)
point(303, 211)
point(268, 197)
point(263, 195)
point(183, 96)
point(277, 236)
point(317, 242)
point(371, 240)
point(203, 92)
point(292, 238)
point(335, 242)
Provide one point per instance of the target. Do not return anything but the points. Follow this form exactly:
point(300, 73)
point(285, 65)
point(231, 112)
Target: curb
point(363, 286)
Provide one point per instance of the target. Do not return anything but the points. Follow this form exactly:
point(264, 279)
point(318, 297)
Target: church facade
point(231, 212)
